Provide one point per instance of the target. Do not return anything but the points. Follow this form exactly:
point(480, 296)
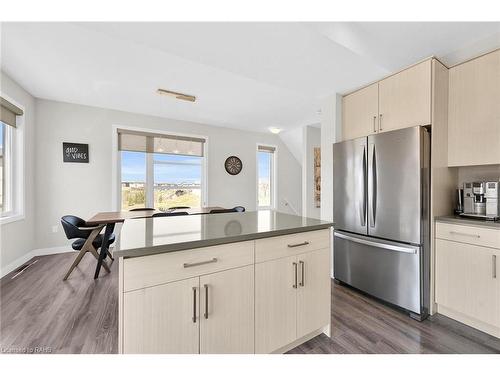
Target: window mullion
point(149, 180)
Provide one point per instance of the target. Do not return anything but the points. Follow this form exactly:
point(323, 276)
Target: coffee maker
point(481, 200)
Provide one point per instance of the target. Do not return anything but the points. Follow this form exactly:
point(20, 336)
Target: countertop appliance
point(381, 214)
point(481, 200)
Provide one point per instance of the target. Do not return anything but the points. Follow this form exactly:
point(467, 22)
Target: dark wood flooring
point(39, 310)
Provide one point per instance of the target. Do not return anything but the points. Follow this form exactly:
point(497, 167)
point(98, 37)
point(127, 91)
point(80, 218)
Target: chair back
point(142, 209)
point(179, 208)
point(70, 225)
point(162, 214)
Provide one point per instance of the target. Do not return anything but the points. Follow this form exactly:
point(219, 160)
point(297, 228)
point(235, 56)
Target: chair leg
point(111, 256)
point(75, 262)
point(96, 255)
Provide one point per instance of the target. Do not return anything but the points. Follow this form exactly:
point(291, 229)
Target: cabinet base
point(303, 339)
point(462, 318)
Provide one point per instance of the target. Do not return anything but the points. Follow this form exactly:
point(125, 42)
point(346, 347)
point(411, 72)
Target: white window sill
point(11, 218)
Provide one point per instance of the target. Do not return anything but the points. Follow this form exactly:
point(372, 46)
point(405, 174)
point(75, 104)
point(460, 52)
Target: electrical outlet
point(55, 228)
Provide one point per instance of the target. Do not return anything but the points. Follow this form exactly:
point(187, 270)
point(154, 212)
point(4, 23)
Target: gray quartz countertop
point(470, 222)
point(140, 237)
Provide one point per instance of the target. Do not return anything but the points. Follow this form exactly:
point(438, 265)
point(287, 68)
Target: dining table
point(111, 218)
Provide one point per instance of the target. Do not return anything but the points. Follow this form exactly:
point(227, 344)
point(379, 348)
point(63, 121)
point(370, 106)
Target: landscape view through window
point(176, 180)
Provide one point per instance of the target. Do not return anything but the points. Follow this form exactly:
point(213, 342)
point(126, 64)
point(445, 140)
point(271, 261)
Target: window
point(10, 199)
point(160, 171)
point(265, 176)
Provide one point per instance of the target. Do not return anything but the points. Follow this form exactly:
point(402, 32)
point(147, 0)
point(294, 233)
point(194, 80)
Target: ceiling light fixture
point(177, 95)
point(275, 130)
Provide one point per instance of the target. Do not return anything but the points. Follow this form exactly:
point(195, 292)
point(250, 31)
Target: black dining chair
point(142, 209)
point(88, 239)
point(228, 210)
point(162, 214)
point(179, 208)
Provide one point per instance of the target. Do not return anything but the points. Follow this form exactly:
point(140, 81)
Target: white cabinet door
point(162, 319)
point(275, 304)
point(467, 280)
point(360, 113)
point(313, 293)
point(474, 112)
point(405, 98)
point(227, 312)
point(483, 294)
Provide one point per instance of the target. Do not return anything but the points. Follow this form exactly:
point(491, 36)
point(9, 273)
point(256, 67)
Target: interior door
point(395, 185)
point(349, 185)
point(154, 316)
point(227, 312)
point(275, 304)
point(313, 293)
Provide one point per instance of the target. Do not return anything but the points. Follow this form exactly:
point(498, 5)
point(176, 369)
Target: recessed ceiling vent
point(176, 95)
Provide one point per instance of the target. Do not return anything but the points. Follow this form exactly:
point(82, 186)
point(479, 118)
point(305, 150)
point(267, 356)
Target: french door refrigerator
point(381, 216)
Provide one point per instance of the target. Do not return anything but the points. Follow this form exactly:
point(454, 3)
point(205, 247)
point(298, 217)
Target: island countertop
point(147, 236)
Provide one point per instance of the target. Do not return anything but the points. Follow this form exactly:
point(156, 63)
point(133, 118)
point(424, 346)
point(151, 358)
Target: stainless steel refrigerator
point(381, 216)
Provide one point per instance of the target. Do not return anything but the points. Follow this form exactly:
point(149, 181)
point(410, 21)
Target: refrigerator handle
point(362, 213)
point(373, 192)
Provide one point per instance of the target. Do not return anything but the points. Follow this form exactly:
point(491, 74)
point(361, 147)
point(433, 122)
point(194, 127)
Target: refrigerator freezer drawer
point(387, 270)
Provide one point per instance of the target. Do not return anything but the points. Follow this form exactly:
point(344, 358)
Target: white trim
point(33, 253)
point(274, 177)
point(116, 164)
point(18, 167)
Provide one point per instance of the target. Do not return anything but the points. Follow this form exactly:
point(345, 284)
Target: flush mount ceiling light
point(176, 95)
point(275, 130)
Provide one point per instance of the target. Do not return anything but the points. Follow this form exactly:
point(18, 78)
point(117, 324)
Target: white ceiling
point(244, 75)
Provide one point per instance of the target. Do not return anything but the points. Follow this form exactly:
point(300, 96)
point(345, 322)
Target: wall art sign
point(75, 152)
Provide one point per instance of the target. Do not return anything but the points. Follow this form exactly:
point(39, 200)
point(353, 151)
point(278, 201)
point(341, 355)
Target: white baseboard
point(33, 253)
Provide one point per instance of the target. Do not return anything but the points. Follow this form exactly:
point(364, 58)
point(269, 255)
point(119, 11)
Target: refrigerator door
point(395, 184)
point(385, 269)
point(349, 185)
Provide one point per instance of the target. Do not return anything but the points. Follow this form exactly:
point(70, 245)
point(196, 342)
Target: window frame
point(116, 166)
point(14, 189)
point(273, 177)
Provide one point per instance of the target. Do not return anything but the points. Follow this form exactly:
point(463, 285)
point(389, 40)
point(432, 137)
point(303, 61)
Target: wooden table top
point(121, 216)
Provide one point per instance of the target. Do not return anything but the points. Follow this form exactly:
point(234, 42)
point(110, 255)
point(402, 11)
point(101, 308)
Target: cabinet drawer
point(468, 234)
point(142, 272)
point(282, 246)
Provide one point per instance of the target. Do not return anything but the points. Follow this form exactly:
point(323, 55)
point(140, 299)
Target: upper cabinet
point(474, 112)
point(400, 101)
point(360, 112)
point(405, 98)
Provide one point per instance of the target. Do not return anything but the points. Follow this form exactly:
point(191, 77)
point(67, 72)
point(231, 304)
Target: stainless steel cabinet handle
point(295, 273)
point(301, 273)
point(194, 304)
point(494, 259)
point(465, 234)
point(206, 301)
point(380, 122)
point(187, 265)
point(374, 124)
point(299, 244)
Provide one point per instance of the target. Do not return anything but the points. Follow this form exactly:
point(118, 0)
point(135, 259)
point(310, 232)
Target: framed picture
point(75, 152)
point(317, 176)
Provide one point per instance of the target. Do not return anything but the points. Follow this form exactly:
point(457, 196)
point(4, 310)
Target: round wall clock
point(233, 165)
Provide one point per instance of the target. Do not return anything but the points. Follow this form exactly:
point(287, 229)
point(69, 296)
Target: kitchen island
point(251, 282)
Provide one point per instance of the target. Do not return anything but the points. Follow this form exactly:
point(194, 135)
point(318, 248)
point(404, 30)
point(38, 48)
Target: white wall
point(17, 238)
point(312, 139)
point(331, 119)
point(84, 189)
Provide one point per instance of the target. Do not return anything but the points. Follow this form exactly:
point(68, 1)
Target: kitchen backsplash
point(478, 173)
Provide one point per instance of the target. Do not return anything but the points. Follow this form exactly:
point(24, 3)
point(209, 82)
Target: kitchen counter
point(147, 236)
point(469, 222)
